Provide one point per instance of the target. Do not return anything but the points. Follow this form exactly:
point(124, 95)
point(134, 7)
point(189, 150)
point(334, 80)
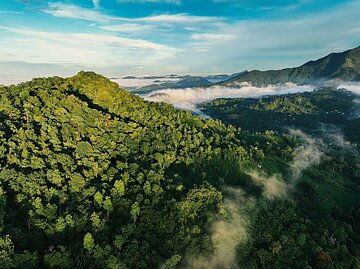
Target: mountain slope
point(187, 82)
point(327, 113)
point(92, 176)
point(343, 66)
point(308, 111)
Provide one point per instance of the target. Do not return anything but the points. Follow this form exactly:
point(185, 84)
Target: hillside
point(187, 82)
point(92, 176)
point(328, 114)
point(307, 111)
point(342, 66)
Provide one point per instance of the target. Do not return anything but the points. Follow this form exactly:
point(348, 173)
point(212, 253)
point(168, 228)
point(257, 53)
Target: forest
point(92, 176)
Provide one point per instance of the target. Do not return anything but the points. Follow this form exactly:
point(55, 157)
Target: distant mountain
point(192, 82)
point(154, 77)
point(217, 78)
point(186, 82)
point(342, 66)
point(222, 77)
point(174, 81)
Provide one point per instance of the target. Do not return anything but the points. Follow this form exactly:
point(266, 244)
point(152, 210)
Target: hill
point(328, 114)
point(187, 82)
point(331, 117)
point(92, 176)
point(307, 111)
point(340, 66)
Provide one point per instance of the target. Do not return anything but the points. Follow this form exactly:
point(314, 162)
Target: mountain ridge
point(339, 66)
point(186, 82)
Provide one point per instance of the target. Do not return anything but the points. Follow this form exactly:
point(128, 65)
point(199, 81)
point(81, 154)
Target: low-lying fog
point(189, 98)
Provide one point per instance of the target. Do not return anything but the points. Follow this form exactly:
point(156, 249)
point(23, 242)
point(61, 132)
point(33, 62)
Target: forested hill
point(94, 177)
point(331, 116)
point(343, 66)
point(309, 111)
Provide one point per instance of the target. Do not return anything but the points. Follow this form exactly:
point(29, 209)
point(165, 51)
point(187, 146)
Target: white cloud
point(63, 10)
point(130, 28)
point(351, 86)
point(80, 38)
point(273, 44)
point(216, 44)
point(189, 98)
point(179, 19)
point(80, 48)
point(59, 9)
point(213, 37)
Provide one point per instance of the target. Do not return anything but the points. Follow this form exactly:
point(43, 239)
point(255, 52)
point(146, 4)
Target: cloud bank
point(189, 98)
point(350, 86)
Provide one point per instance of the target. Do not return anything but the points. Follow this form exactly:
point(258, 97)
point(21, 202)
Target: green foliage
point(172, 262)
point(6, 252)
point(58, 258)
point(87, 176)
point(94, 177)
point(283, 104)
point(88, 242)
point(314, 229)
point(300, 110)
point(295, 239)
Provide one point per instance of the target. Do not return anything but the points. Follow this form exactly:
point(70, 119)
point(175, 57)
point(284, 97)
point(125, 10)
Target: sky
point(153, 37)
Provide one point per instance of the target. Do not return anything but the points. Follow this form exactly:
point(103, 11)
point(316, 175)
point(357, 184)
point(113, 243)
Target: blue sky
point(122, 37)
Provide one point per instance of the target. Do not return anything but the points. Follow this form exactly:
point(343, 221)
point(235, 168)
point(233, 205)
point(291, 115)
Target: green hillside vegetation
point(306, 111)
point(330, 187)
point(342, 66)
point(325, 113)
point(92, 176)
